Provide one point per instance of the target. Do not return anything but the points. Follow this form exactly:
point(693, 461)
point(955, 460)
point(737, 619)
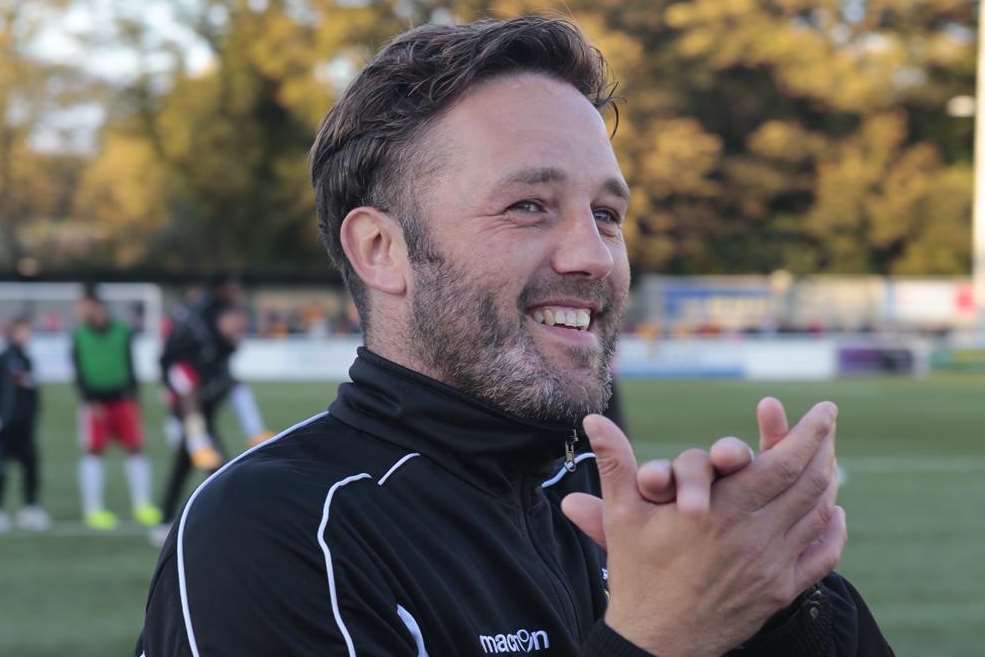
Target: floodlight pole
point(978, 217)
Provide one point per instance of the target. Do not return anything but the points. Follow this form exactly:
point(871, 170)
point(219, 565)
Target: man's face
point(520, 297)
point(232, 324)
point(21, 334)
point(92, 312)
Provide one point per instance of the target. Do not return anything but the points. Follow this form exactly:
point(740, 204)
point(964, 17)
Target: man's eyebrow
point(534, 176)
point(616, 187)
point(542, 175)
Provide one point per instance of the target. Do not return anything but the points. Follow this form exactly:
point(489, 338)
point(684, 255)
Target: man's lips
point(570, 313)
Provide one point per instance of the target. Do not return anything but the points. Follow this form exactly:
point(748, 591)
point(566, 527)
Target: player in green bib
point(107, 383)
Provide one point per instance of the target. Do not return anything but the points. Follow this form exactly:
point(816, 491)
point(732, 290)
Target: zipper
point(567, 597)
point(569, 451)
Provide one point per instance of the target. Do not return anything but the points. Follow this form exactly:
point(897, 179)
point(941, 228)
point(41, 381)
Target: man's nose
point(580, 248)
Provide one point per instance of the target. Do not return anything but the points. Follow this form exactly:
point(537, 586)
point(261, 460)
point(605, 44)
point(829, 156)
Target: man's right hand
point(200, 446)
point(698, 577)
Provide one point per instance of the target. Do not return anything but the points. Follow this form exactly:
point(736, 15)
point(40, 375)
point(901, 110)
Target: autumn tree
point(210, 167)
point(757, 135)
point(36, 185)
point(796, 134)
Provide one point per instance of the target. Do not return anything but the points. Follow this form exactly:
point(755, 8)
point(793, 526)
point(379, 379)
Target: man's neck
point(394, 352)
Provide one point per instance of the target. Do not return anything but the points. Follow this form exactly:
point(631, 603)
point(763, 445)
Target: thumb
point(772, 420)
point(614, 460)
point(585, 511)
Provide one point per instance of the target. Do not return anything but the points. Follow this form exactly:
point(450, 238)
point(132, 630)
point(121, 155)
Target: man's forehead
point(531, 128)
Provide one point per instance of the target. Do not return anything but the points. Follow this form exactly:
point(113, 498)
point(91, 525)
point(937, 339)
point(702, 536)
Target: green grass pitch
point(915, 496)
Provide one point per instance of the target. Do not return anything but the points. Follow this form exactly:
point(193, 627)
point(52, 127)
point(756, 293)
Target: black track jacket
point(411, 521)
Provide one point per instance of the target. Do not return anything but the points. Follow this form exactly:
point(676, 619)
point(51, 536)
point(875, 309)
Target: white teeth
point(577, 318)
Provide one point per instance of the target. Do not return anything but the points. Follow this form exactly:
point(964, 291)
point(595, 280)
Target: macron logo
point(521, 641)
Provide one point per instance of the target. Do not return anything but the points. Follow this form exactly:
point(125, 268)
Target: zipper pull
point(569, 451)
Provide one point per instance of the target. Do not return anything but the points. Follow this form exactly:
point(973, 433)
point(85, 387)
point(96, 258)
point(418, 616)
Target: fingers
point(693, 474)
point(810, 488)
point(772, 419)
point(822, 556)
point(729, 455)
point(585, 511)
point(614, 459)
point(776, 470)
point(811, 526)
point(655, 480)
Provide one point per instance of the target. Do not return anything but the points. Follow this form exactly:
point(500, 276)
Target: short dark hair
point(367, 147)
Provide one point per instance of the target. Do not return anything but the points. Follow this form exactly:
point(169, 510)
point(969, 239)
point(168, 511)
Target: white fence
point(306, 359)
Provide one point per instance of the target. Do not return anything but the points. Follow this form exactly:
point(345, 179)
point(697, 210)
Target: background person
point(195, 364)
point(109, 410)
point(19, 409)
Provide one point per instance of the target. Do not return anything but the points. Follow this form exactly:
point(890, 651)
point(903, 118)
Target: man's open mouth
point(574, 318)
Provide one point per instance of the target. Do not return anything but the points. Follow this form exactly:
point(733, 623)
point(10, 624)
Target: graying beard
point(486, 365)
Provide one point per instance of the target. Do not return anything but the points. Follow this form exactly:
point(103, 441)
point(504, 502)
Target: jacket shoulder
point(295, 470)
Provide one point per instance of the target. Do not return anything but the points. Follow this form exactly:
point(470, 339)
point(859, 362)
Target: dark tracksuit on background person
point(19, 407)
point(195, 359)
point(410, 520)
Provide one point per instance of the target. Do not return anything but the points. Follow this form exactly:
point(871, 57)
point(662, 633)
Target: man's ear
point(374, 244)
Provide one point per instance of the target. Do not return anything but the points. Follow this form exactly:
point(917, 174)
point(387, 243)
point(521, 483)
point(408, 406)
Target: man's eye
point(527, 206)
point(607, 216)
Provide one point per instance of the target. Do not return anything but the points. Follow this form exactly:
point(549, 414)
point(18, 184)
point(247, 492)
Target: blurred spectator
point(19, 409)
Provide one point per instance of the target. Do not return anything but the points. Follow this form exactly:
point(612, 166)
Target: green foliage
point(33, 184)
point(756, 134)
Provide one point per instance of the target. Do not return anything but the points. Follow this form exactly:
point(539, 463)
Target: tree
point(796, 134)
point(34, 185)
point(227, 146)
point(757, 135)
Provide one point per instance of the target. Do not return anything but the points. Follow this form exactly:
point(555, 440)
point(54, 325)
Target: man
point(19, 408)
point(102, 353)
point(468, 192)
point(195, 364)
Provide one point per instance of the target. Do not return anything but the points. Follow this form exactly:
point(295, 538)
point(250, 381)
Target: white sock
point(247, 412)
point(139, 479)
point(91, 483)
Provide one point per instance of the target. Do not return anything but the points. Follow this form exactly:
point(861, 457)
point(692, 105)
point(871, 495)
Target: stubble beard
point(457, 333)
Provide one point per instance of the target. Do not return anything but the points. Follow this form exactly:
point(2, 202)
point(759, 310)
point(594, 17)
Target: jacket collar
point(490, 448)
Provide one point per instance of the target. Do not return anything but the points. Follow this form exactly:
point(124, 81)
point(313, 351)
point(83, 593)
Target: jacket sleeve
point(255, 581)
point(8, 393)
point(828, 620)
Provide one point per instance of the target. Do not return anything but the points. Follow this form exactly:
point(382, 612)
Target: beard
point(458, 333)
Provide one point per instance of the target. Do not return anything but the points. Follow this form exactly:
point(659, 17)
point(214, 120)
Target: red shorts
point(100, 422)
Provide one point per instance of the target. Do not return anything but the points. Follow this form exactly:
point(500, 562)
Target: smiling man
point(468, 191)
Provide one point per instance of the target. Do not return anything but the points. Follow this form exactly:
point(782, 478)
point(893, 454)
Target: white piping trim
point(414, 629)
point(328, 558)
point(563, 471)
point(182, 583)
point(395, 466)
